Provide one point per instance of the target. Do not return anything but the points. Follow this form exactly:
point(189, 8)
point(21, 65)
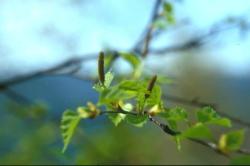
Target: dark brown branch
point(164, 127)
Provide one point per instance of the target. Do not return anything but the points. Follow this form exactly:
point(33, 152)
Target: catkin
point(151, 85)
point(101, 67)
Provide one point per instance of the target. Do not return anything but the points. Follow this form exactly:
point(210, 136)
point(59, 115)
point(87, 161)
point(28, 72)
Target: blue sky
point(39, 34)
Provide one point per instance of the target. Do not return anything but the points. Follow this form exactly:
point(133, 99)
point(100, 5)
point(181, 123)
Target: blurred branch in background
point(194, 43)
point(227, 24)
point(15, 96)
point(147, 35)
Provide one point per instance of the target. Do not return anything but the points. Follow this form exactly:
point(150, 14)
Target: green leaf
point(98, 87)
point(155, 96)
point(137, 121)
point(178, 142)
point(168, 13)
point(107, 82)
point(131, 58)
point(114, 94)
point(208, 115)
point(164, 80)
point(242, 160)
point(231, 141)
point(170, 19)
point(108, 79)
point(167, 7)
point(130, 85)
point(69, 122)
point(221, 122)
point(109, 58)
point(140, 101)
point(116, 118)
point(198, 131)
point(160, 24)
point(174, 115)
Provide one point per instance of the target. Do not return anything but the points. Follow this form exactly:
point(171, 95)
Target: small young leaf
point(82, 112)
point(132, 59)
point(69, 122)
point(116, 118)
point(178, 142)
point(137, 121)
point(167, 7)
point(154, 97)
point(242, 160)
point(140, 98)
point(160, 24)
point(98, 87)
point(168, 13)
point(174, 115)
point(108, 79)
point(231, 141)
point(130, 85)
point(114, 94)
point(225, 122)
point(198, 131)
point(155, 110)
point(208, 115)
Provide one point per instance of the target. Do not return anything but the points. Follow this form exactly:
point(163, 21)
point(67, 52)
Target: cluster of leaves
point(166, 17)
point(137, 100)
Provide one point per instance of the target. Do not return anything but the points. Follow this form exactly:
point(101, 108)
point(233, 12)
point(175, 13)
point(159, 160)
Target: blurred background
point(206, 52)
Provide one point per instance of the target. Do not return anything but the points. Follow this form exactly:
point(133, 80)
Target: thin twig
point(171, 132)
point(75, 61)
point(70, 62)
point(198, 41)
point(210, 145)
point(119, 112)
point(164, 127)
point(14, 95)
point(244, 151)
point(147, 35)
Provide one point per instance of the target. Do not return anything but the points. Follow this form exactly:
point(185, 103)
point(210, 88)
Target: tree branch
point(75, 61)
point(198, 41)
point(165, 128)
point(14, 95)
point(147, 34)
